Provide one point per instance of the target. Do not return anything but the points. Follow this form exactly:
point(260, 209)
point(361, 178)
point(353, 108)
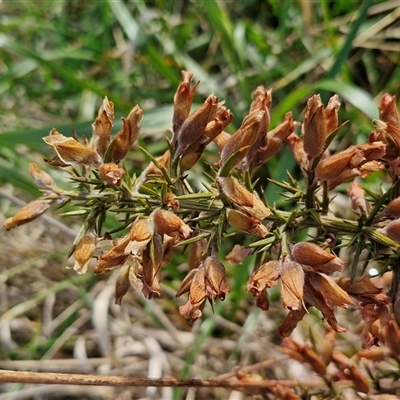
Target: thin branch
point(7, 376)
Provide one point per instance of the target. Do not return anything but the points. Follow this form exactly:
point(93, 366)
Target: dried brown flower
point(27, 214)
point(42, 179)
point(311, 254)
point(266, 276)
point(208, 281)
point(292, 290)
point(183, 101)
point(243, 199)
point(275, 138)
point(70, 151)
point(245, 137)
point(346, 164)
point(195, 124)
point(166, 222)
point(245, 223)
point(128, 134)
point(110, 173)
point(101, 127)
point(84, 253)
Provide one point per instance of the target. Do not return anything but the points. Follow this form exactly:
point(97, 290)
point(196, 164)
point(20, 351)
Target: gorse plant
point(161, 209)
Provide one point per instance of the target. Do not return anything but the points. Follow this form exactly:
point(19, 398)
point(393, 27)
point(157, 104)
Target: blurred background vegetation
point(58, 59)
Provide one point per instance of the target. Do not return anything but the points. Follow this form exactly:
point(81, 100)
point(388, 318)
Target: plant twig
point(7, 376)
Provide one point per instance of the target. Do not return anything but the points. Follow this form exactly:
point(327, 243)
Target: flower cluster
point(161, 209)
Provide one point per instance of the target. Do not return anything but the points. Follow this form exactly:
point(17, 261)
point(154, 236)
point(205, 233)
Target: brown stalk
point(7, 376)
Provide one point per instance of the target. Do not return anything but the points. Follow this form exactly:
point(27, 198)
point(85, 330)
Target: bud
point(283, 392)
point(310, 254)
point(183, 101)
point(240, 196)
point(388, 110)
point(331, 114)
point(245, 136)
point(216, 282)
point(319, 123)
point(297, 147)
point(101, 127)
point(27, 214)
point(275, 139)
point(392, 230)
point(292, 278)
point(262, 100)
point(128, 134)
point(141, 233)
point(192, 310)
point(354, 157)
point(393, 208)
point(193, 127)
point(114, 258)
point(111, 174)
point(168, 223)
point(245, 223)
point(313, 359)
point(42, 179)
point(84, 253)
point(235, 192)
point(215, 127)
point(194, 151)
point(70, 151)
point(314, 128)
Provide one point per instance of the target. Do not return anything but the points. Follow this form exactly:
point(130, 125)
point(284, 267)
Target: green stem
point(310, 195)
point(342, 226)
